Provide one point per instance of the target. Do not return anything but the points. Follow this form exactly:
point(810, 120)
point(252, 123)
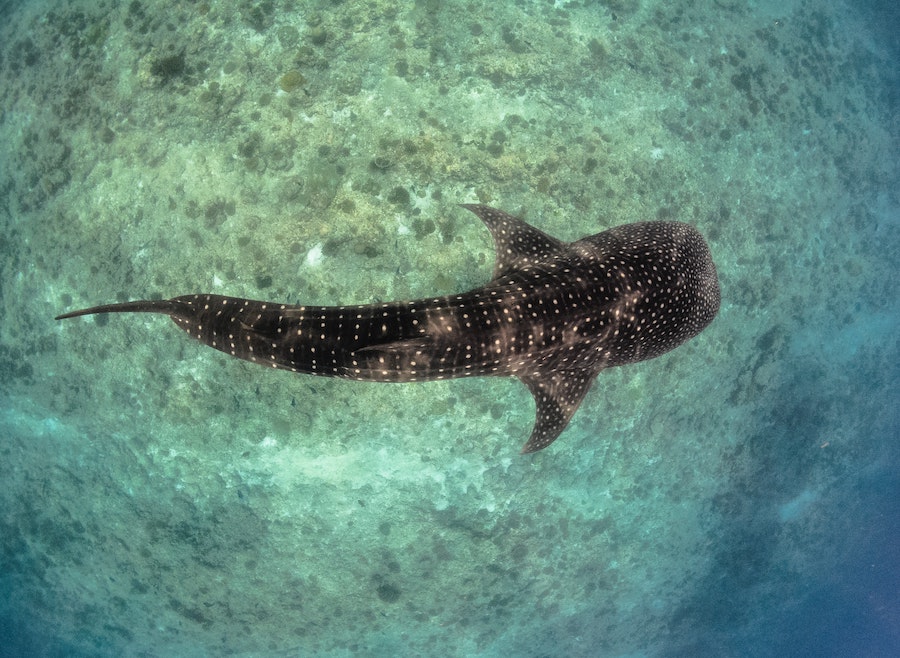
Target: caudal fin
point(167, 306)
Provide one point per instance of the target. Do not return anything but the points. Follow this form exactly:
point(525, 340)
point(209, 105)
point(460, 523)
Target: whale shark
point(554, 315)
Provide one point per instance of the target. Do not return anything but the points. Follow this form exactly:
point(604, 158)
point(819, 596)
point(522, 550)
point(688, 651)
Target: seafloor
point(736, 497)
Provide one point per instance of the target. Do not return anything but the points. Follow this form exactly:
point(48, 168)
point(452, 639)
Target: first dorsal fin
point(516, 243)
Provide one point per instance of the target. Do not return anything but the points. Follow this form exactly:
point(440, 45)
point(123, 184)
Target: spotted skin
point(554, 315)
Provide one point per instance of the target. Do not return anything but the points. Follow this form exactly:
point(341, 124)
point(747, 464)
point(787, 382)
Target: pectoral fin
point(557, 395)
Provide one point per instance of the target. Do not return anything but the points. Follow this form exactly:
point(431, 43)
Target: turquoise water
point(736, 497)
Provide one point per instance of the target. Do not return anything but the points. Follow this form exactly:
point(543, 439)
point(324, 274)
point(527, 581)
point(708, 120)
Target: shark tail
point(167, 306)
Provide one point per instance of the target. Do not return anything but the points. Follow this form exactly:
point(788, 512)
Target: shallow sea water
point(736, 497)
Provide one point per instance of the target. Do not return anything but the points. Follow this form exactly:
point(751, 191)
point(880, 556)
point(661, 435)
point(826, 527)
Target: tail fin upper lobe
point(167, 306)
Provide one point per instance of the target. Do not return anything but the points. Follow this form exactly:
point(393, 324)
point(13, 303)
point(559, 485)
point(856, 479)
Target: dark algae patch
point(168, 67)
point(388, 593)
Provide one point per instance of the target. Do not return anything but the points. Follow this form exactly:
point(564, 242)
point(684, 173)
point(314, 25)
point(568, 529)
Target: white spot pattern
point(555, 314)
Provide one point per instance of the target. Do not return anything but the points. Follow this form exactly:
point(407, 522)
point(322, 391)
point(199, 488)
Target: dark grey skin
point(554, 315)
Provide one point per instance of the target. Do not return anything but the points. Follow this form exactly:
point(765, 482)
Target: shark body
point(554, 315)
